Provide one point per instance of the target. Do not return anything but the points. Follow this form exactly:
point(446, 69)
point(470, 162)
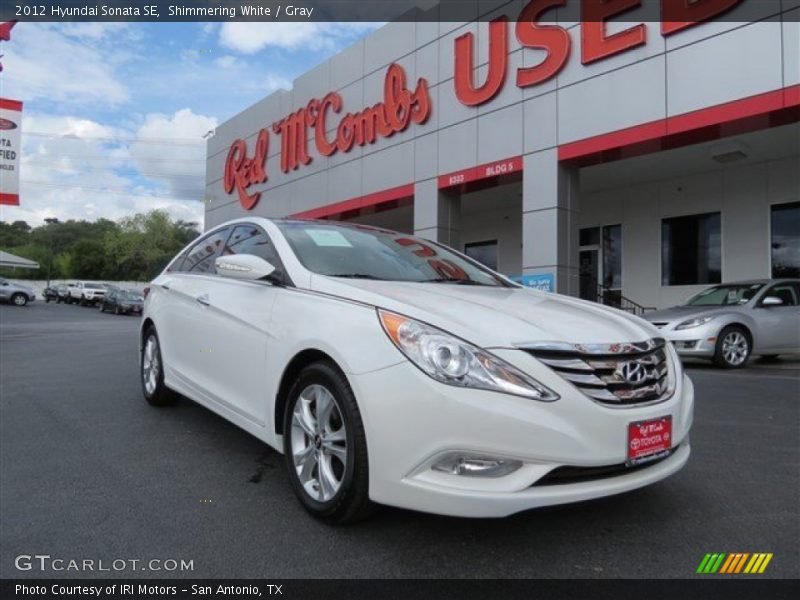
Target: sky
point(114, 113)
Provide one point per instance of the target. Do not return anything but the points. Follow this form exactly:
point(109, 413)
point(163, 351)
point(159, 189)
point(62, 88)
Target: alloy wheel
point(735, 348)
point(319, 442)
point(151, 365)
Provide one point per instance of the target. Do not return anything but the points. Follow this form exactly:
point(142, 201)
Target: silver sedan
point(727, 323)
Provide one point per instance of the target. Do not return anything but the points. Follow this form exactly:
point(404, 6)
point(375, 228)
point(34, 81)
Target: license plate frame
point(648, 440)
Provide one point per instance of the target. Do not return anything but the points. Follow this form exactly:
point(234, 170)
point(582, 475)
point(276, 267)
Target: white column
point(550, 211)
point(437, 214)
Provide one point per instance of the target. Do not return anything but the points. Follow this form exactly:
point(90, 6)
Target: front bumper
point(411, 421)
point(698, 341)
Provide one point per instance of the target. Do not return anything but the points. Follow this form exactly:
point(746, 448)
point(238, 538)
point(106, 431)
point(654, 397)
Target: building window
point(691, 250)
point(612, 257)
point(785, 242)
point(484, 252)
point(590, 236)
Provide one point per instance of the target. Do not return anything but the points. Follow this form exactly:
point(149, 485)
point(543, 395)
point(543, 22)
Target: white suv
point(87, 293)
point(394, 370)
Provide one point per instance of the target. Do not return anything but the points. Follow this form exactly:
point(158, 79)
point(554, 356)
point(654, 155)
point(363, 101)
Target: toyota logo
point(633, 372)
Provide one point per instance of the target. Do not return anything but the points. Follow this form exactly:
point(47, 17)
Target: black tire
point(724, 356)
point(83, 301)
point(160, 395)
point(19, 299)
point(47, 299)
point(351, 502)
point(102, 307)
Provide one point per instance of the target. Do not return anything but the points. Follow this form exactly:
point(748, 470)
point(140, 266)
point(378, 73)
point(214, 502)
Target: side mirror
point(243, 266)
point(772, 301)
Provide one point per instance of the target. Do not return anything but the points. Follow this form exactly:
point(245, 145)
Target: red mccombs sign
point(402, 106)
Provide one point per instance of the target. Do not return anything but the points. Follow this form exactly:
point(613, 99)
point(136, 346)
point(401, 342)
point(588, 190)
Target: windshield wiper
point(356, 276)
point(456, 280)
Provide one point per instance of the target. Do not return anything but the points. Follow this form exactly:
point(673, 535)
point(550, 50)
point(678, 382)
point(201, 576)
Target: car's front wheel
point(325, 446)
point(733, 348)
point(152, 371)
point(19, 299)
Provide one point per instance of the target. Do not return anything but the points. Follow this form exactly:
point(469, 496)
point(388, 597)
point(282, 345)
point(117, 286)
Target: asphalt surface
point(89, 471)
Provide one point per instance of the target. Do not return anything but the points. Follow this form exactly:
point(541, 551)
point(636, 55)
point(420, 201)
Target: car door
point(237, 333)
point(182, 320)
point(4, 289)
point(779, 326)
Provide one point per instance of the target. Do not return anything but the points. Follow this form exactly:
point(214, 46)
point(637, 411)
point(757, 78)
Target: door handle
point(203, 299)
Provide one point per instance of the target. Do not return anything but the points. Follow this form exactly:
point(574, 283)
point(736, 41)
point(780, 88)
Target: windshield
point(361, 252)
point(725, 295)
point(128, 296)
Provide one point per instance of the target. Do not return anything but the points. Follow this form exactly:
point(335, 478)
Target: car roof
point(762, 281)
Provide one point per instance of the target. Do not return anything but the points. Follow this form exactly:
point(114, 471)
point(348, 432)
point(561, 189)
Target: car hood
point(681, 312)
point(495, 316)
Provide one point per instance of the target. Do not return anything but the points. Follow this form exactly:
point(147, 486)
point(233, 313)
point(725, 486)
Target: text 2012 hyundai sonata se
point(390, 369)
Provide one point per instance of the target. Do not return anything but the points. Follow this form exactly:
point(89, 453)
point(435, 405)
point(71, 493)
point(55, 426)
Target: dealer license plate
point(649, 440)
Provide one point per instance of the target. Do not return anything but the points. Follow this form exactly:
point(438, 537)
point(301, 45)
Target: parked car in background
point(62, 292)
point(122, 302)
point(392, 369)
point(56, 292)
point(86, 293)
point(49, 293)
point(728, 323)
point(16, 294)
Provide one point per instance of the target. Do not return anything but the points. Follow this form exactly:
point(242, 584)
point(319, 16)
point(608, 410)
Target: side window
point(249, 239)
point(200, 258)
point(788, 292)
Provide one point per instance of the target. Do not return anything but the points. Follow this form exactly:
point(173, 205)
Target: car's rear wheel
point(152, 371)
point(19, 299)
point(325, 446)
point(733, 348)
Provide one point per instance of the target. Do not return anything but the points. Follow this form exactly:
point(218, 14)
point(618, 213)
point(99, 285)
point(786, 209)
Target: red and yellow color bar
point(734, 563)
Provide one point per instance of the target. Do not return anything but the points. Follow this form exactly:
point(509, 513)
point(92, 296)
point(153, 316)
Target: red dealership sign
point(596, 44)
point(402, 106)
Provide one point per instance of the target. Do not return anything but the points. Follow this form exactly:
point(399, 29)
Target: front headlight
point(453, 361)
point(696, 322)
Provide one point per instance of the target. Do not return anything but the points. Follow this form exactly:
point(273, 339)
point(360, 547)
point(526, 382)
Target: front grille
point(570, 474)
point(614, 374)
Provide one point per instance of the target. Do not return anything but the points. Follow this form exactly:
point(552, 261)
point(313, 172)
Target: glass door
point(589, 272)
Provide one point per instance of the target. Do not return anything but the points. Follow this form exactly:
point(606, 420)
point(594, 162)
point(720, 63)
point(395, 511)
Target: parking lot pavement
point(89, 471)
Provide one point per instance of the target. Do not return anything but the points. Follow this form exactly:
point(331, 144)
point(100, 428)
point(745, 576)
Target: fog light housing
point(475, 466)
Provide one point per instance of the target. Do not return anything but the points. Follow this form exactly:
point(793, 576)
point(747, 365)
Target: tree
point(144, 243)
point(136, 248)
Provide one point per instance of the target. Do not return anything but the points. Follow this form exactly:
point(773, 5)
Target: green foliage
point(135, 249)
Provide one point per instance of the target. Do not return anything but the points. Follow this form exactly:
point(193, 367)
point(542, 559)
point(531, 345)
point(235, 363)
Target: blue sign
point(544, 282)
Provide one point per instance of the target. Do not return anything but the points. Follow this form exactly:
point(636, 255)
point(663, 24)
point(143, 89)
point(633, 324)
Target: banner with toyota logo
point(10, 140)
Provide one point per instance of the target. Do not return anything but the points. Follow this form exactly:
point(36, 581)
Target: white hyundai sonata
point(391, 369)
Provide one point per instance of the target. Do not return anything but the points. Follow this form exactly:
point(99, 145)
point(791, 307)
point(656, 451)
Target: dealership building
point(628, 162)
